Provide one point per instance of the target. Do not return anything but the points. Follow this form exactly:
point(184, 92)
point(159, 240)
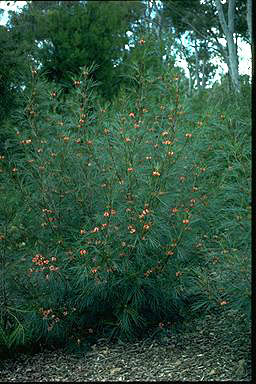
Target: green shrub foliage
point(118, 217)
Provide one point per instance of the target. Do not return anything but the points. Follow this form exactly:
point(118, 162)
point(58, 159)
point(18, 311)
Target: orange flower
point(52, 219)
point(83, 252)
point(174, 210)
point(144, 212)
point(106, 213)
point(48, 210)
point(146, 226)
point(168, 142)
point(131, 228)
point(127, 140)
point(29, 141)
point(94, 270)
point(54, 269)
point(77, 83)
point(141, 42)
point(96, 229)
point(224, 302)
point(169, 253)
point(130, 169)
point(185, 221)
point(131, 114)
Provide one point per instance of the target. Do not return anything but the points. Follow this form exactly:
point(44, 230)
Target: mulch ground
point(209, 351)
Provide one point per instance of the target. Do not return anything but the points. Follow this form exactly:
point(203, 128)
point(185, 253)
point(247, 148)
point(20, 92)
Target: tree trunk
point(228, 29)
point(204, 78)
point(249, 19)
point(249, 23)
point(190, 83)
point(197, 68)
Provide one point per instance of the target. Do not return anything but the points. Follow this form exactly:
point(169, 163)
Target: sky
point(244, 49)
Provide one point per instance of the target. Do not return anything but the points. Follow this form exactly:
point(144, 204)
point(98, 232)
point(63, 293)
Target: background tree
point(13, 62)
point(228, 27)
point(207, 21)
point(65, 36)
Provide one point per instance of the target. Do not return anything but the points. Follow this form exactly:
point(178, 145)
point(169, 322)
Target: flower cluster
point(28, 141)
point(40, 260)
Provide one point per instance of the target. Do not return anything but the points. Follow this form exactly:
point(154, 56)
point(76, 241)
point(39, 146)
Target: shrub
point(107, 220)
point(224, 153)
point(122, 212)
